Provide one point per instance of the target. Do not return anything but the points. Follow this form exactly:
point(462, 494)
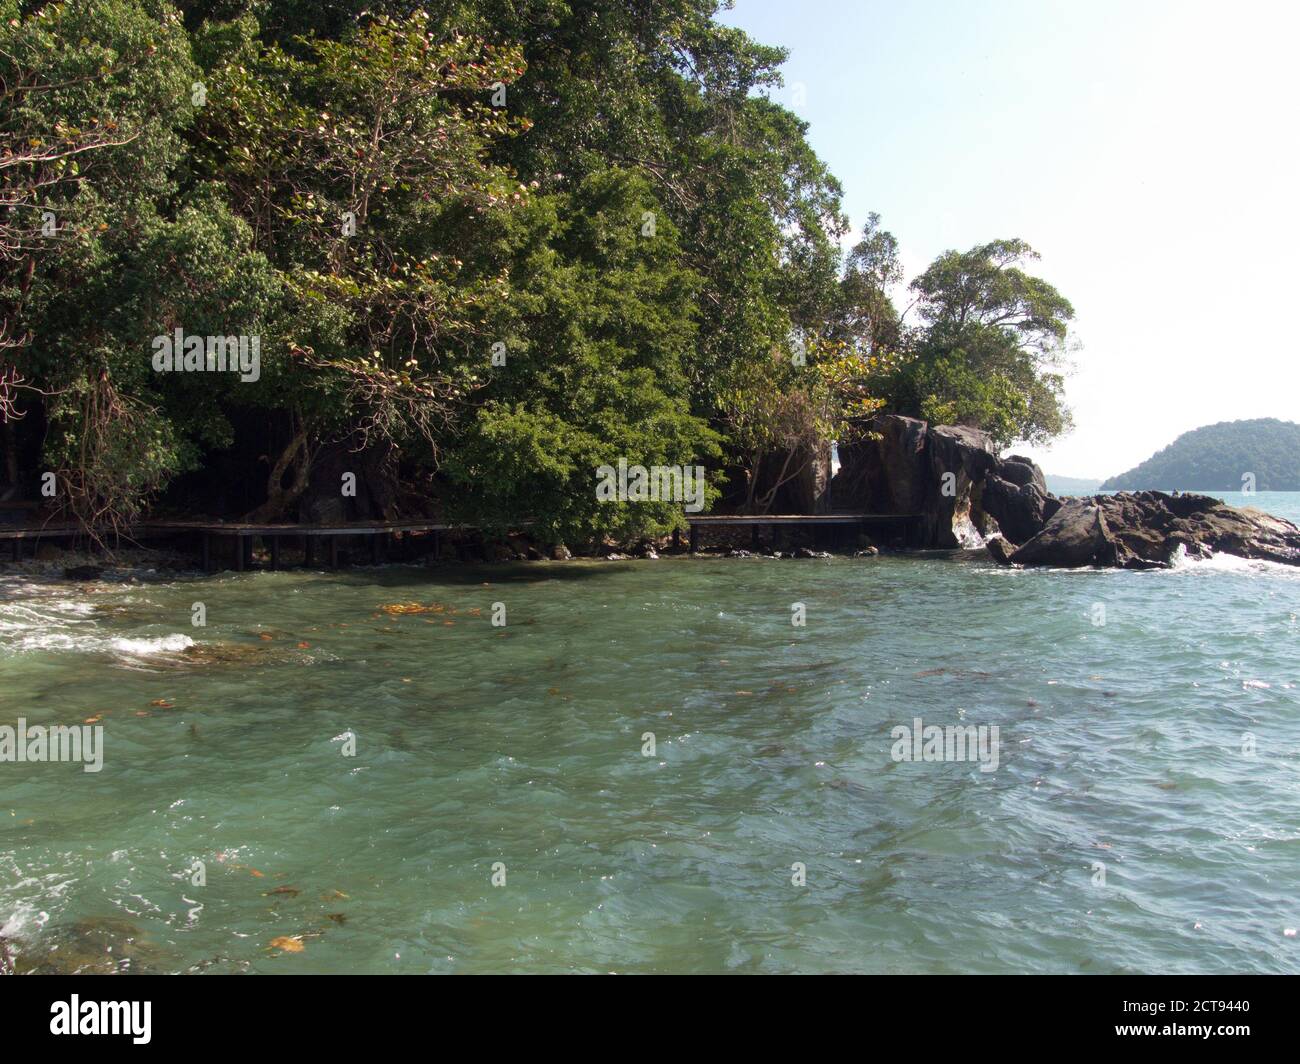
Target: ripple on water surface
point(1142, 815)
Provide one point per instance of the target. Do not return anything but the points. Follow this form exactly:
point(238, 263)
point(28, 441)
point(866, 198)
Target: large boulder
point(950, 475)
point(1020, 509)
point(1076, 536)
point(960, 460)
point(1000, 549)
point(886, 470)
point(1022, 471)
point(1146, 529)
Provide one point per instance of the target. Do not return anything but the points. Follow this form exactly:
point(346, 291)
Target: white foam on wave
point(1220, 562)
point(167, 644)
point(96, 643)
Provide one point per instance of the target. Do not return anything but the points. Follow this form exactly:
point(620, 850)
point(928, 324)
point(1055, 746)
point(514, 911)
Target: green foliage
point(382, 191)
point(991, 347)
point(597, 332)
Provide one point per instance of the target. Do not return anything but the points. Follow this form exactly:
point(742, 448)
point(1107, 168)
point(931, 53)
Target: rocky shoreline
point(1149, 529)
point(950, 479)
point(970, 497)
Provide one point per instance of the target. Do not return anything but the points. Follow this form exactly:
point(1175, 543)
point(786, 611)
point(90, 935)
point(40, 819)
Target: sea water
point(652, 767)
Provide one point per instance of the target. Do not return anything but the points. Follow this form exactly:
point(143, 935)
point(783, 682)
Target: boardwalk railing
point(772, 522)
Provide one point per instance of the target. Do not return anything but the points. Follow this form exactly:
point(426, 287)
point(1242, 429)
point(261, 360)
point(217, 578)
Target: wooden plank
point(747, 520)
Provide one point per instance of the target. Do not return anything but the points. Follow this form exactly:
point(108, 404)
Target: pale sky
point(1147, 149)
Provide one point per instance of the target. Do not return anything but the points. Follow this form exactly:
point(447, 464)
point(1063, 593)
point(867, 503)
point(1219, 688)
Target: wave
point(167, 644)
point(94, 642)
point(1182, 562)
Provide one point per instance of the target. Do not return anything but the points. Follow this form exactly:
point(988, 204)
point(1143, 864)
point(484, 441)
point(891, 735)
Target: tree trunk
point(11, 454)
point(278, 497)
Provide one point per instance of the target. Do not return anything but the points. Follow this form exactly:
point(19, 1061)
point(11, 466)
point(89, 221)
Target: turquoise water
point(1120, 744)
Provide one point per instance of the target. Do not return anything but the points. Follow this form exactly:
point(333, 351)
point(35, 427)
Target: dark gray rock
point(1143, 530)
point(1022, 471)
point(885, 470)
point(807, 492)
point(1076, 536)
point(1000, 549)
point(960, 459)
point(1020, 510)
point(83, 572)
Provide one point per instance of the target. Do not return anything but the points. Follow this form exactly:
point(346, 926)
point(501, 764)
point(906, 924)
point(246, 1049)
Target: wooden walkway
point(378, 531)
point(772, 522)
point(242, 535)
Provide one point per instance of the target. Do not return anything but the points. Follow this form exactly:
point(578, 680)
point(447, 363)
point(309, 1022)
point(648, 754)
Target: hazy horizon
point(1140, 149)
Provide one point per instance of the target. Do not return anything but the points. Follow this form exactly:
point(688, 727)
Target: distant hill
point(1071, 485)
point(1217, 457)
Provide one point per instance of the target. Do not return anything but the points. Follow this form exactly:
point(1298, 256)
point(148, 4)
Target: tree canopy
point(490, 247)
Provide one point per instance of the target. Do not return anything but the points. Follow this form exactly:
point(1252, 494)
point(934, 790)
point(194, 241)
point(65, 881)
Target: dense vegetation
point(1221, 457)
point(483, 248)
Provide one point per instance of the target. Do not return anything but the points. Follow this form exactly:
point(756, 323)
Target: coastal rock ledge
point(1146, 529)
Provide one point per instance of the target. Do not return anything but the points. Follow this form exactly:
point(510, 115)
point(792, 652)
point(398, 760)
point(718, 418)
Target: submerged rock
point(1145, 529)
point(105, 945)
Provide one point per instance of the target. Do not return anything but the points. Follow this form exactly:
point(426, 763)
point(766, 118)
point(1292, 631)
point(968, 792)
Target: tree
point(866, 315)
point(360, 163)
point(991, 348)
point(595, 339)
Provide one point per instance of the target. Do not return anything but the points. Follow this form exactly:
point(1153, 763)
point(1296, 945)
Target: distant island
point(1219, 457)
point(1058, 485)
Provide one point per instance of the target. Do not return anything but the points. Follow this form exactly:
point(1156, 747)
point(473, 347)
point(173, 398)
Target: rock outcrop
point(949, 474)
point(1015, 495)
point(967, 496)
point(1146, 529)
